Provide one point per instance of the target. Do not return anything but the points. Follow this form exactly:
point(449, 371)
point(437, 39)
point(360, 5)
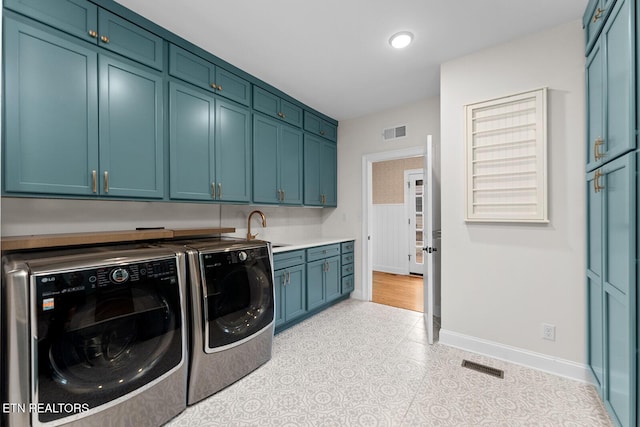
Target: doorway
point(431, 285)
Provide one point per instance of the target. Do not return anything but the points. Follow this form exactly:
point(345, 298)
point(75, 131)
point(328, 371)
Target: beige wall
point(388, 179)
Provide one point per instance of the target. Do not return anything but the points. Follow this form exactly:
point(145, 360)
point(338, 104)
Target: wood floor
point(399, 291)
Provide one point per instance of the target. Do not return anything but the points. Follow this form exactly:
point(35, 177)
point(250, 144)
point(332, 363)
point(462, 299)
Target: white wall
point(499, 281)
point(361, 136)
point(25, 216)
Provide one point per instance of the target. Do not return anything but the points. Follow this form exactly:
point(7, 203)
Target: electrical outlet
point(548, 332)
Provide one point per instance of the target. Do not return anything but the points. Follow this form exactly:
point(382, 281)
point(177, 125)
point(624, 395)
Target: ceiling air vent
point(394, 133)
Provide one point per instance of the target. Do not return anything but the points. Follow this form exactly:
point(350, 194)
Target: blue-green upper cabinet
point(320, 127)
point(89, 22)
point(51, 123)
point(594, 16)
point(277, 168)
point(76, 17)
point(610, 74)
point(273, 105)
point(131, 130)
point(127, 39)
point(191, 144)
point(320, 169)
point(206, 75)
point(233, 152)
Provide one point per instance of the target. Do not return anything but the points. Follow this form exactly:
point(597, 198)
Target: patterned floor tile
point(364, 364)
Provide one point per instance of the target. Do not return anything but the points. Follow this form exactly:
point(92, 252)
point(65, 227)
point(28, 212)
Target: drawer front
point(321, 252)
point(347, 284)
point(347, 247)
point(347, 270)
point(347, 258)
point(288, 259)
point(76, 17)
point(127, 39)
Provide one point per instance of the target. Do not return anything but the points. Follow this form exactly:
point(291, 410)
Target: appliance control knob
point(119, 275)
point(242, 256)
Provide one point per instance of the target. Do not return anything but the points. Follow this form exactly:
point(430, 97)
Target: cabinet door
point(619, 285)
point(595, 105)
point(328, 174)
point(332, 276)
point(290, 165)
point(279, 277)
point(619, 74)
point(51, 127)
point(347, 284)
point(265, 153)
point(265, 102)
point(127, 39)
point(233, 152)
point(76, 17)
point(291, 113)
point(595, 319)
point(295, 301)
point(233, 87)
point(312, 153)
point(191, 143)
point(316, 295)
point(191, 68)
point(131, 133)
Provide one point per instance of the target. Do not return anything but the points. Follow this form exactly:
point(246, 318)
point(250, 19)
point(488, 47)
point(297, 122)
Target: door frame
point(367, 208)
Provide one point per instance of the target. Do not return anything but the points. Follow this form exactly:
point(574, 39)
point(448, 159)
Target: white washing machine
point(95, 337)
point(231, 311)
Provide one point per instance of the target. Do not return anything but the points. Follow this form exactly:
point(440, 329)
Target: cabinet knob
point(321, 132)
point(93, 34)
point(104, 39)
point(219, 87)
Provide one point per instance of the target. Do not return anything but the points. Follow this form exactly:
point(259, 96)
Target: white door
point(415, 209)
point(430, 243)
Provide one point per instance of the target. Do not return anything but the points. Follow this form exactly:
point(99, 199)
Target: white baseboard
point(390, 269)
point(542, 362)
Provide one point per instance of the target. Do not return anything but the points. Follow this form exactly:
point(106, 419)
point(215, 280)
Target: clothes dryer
point(231, 311)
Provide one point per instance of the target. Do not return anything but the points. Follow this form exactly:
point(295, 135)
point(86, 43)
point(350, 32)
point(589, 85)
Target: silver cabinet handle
point(213, 190)
point(219, 191)
point(94, 181)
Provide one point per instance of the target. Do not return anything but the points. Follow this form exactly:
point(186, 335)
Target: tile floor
point(364, 364)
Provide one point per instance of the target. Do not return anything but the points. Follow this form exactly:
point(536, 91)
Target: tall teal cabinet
point(612, 205)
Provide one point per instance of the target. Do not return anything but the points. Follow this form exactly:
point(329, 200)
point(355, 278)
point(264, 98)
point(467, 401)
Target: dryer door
point(238, 296)
point(103, 333)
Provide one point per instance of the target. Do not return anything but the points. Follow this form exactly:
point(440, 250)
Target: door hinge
point(430, 249)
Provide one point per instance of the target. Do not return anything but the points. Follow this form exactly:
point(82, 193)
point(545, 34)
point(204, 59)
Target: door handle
point(106, 181)
point(219, 191)
point(94, 181)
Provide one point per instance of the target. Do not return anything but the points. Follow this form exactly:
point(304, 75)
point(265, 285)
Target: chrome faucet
point(264, 224)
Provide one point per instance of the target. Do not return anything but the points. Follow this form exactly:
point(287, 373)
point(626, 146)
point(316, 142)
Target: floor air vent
point(483, 368)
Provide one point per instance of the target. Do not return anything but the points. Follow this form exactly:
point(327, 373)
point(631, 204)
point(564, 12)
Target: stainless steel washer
point(95, 336)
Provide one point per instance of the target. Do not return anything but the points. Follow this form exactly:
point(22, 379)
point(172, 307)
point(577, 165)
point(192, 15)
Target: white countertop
point(297, 244)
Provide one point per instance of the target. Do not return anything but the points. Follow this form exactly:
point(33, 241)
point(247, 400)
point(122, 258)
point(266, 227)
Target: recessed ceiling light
point(401, 39)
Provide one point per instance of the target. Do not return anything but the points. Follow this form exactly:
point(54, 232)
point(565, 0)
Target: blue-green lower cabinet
point(611, 285)
point(291, 301)
point(210, 146)
point(323, 281)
